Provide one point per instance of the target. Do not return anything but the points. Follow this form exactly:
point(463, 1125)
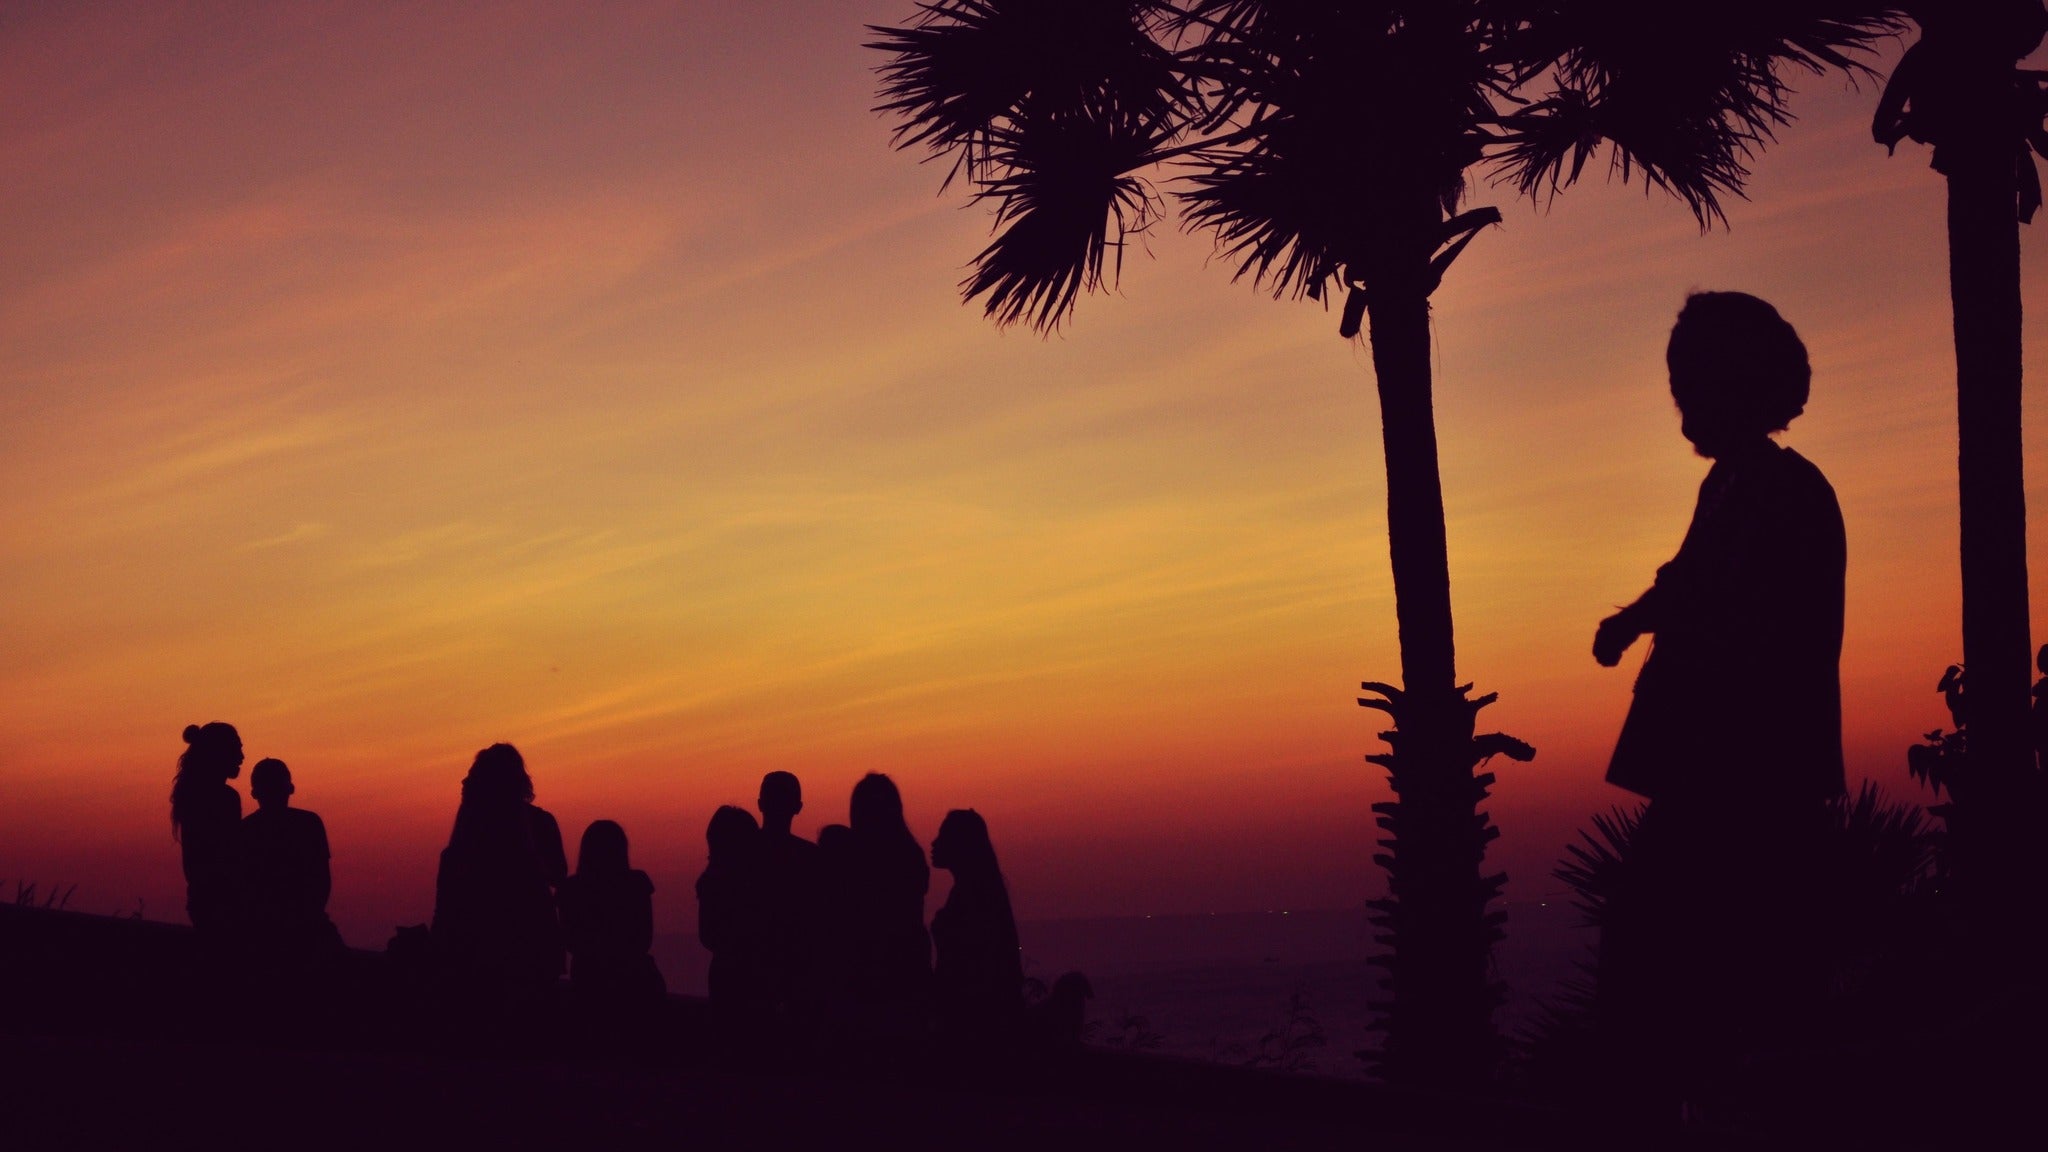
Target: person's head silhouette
point(834, 839)
point(603, 851)
point(782, 797)
point(876, 807)
point(730, 835)
point(962, 846)
point(498, 776)
point(270, 782)
point(1738, 372)
point(212, 757)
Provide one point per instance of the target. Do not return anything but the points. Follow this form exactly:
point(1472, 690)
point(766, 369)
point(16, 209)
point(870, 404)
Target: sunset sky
point(389, 381)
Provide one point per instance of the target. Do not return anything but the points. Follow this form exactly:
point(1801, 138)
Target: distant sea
point(1213, 987)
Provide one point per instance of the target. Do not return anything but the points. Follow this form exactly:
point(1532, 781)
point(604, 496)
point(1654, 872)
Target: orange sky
point(391, 382)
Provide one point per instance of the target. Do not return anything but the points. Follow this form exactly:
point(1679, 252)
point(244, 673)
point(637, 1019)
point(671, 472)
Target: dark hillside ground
point(107, 1041)
point(111, 1036)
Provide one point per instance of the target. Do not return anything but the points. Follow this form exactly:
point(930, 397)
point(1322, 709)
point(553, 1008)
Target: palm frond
point(963, 70)
point(1685, 110)
point(1598, 867)
point(1067, 184)
point(1353, 125)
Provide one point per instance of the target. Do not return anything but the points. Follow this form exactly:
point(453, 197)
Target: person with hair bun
point(206, 822)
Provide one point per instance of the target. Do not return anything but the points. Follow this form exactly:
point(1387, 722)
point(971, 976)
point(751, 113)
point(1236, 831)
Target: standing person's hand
point(1613, 638)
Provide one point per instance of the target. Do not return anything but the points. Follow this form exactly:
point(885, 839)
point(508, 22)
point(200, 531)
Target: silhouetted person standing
point(789, 892)
point(978, 975)
point(1735, 732)
point(206, 821)
point(607, 912)
point(494, 914)
point(729, 914)
point(892, 959)
point(1740, 701)
point(286, 880)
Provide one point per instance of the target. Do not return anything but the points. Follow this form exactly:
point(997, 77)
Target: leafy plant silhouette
point(1878, 869)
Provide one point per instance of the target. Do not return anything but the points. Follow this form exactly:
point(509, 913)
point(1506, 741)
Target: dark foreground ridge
point(111, 1038)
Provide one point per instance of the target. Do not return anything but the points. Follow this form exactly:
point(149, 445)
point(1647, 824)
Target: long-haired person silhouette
point(892, 952)
point(1735, 732)
point(608, 920)
point(494, 914)
point(206, 821)
point(978, 976)
point(729, 913)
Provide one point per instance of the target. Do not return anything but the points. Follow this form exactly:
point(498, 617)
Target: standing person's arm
point(1626, 626)
point(1652, 610)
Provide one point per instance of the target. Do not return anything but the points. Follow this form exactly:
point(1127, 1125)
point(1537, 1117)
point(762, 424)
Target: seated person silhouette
point(978, 976)
point(206, 821)
point(494, 927)
point(285, 877)
point(1735, 732)
point(607, 911)
point(728, 915)
point(788, 890)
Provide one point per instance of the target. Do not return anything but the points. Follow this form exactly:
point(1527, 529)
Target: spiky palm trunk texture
point(1434, 922)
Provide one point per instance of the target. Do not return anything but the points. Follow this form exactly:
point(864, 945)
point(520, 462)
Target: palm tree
point(1328, 146)
point(1959, 89)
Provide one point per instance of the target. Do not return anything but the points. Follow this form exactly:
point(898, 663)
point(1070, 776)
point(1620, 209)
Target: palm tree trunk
point(1984, 285)
point(1415, 496)
point(1437, 1018)
point(1995, 818)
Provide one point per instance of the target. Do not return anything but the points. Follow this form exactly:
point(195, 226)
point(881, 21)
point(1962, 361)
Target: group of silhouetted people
point(259, 881)
point(508, 915)
point(809, 942)
point(831, 936)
